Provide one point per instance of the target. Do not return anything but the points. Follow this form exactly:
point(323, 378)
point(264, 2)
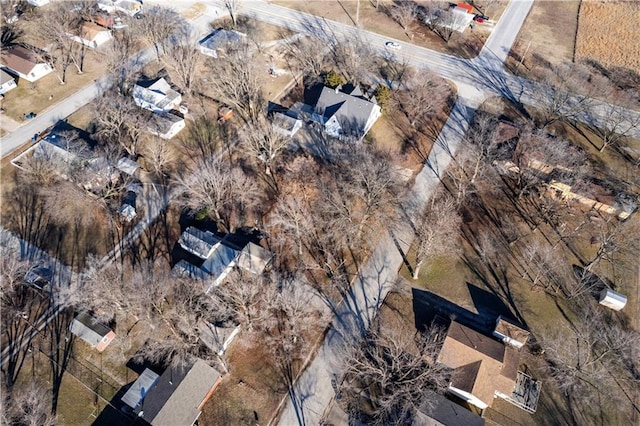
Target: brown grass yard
point(36, 97)
point(548, 34)
point(252, 390)
point(608, 32)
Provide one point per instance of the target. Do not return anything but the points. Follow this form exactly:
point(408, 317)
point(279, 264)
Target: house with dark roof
point(287, 124)
point(7, 82)
point(86, 327)
point(199, 242)
point(483, 367)
point(165, 124)
point(220, 257)
point(24, 63)
point(176, 397)
point(345, 113)
point(436, 410)
point(220, 40)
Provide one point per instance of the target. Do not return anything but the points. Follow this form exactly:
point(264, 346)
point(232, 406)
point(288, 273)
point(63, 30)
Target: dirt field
point(608, 32)
point(548, 33)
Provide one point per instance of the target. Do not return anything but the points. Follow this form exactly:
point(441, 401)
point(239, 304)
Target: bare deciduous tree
point(366, 193)
point(215, 187)
point(444, 21)
point(160, 157)
point(158, 25)
point(119, 121)
point(237, 83)
point(590, 356)
point(425, 96)
point(263, 141)
point(404, 12)
point(616, 121)
point(393, 370)
point(354, 59)
point(474, 161)
point(569, 92)
point(308, 54)
point(437, 230)
point(61, 21)
point(29, 406)
point(537, 155)
point(182, 60)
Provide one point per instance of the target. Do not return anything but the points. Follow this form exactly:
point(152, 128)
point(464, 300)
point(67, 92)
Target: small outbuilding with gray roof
point(89, 329)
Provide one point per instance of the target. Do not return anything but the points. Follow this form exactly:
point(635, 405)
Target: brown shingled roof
point(19, 59)
point(481, 364)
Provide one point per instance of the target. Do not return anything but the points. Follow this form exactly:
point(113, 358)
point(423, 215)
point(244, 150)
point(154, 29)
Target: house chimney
point(338, 87)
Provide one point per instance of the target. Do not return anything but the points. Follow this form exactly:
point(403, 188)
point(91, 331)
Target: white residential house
point(24, 63)
point(166, 125)
point(156, 95)
point(220, 40)
point(220, 257)
point(128, 7)
point(345, 115)
point(92, 35)
point(7, 82)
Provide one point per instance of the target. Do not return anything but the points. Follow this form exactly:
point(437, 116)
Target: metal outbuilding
point(612, 300)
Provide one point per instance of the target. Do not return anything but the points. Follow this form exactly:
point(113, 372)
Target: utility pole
point(358, 13)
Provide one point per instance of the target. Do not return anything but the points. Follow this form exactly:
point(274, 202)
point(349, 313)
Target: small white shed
point(612, 300)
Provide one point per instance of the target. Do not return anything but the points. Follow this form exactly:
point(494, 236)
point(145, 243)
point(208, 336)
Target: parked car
point(392, 45)
point(31, 115)
point(39, 277)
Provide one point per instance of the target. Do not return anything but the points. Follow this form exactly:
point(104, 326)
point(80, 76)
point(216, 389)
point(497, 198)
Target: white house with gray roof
point(7, 82)
point(345, 115)
point(156, 95)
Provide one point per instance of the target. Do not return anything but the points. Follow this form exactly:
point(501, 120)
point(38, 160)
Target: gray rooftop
point(220, 259)
point(140, 388)
point(187, 269)
point(5, 77)
point(254, 258)
point(198, 242)
point(352, 112)
point(221, 38)
point(177, 394)
point(437, 410)
point(87, 328)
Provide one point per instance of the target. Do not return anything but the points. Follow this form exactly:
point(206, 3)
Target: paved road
point(77, 100)
point(484, 73)
point(313, 390)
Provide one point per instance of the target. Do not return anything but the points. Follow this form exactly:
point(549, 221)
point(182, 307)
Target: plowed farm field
point(609, 33)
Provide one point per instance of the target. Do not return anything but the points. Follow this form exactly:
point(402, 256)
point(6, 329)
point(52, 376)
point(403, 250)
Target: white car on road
point(392, 45)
